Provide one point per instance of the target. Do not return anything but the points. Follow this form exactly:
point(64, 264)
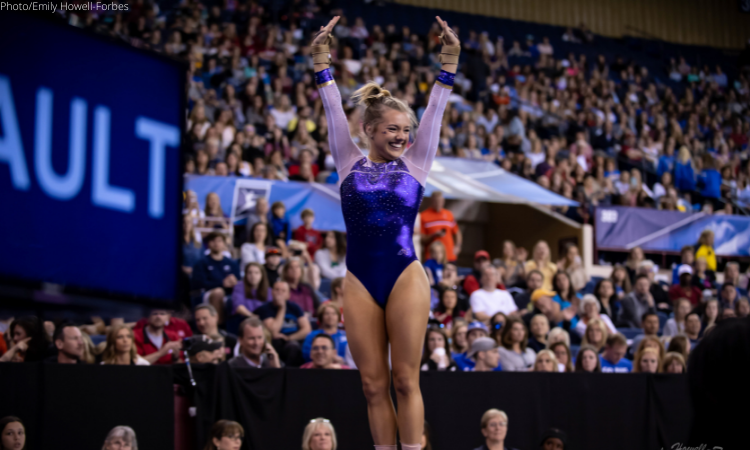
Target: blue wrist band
point(446, 79)
point(324, 78)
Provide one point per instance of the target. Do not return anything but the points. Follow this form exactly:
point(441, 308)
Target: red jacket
point(312, 237)
point(146, 347)
point(175, 325)
point(694, 295)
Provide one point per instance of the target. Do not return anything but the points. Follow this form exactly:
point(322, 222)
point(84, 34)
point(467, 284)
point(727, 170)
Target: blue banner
point(622, 228)
point(89, 161)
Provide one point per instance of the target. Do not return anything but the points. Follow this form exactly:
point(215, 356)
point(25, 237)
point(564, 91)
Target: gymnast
point(386, 292)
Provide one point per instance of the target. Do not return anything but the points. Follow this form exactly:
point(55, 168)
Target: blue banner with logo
point(89, 161)
point(622, 228)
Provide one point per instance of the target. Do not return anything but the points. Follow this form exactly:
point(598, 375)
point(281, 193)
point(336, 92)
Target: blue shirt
point(623, 366)
point(666, 164)
point(339, 338)
point(291, 318)
point(466, 364)
point(684, 177)
point(209, 273)
point(279, 227)
point(710, 180)
point(564, 304)
point(435, 268)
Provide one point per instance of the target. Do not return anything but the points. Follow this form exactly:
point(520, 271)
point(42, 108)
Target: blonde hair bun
point(370, 94)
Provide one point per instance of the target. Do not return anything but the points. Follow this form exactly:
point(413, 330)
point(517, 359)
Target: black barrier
point(75, 406)
point(613, 411)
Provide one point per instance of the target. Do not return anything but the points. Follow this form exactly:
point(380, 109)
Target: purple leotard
point(380, 201)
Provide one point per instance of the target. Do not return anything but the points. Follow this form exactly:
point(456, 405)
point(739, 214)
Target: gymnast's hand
point(322, 35)
point(449, 36)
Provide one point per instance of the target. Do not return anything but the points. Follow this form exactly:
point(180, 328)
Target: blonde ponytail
point(376, 100)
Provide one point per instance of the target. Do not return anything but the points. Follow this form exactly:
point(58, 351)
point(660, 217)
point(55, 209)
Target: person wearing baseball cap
point(203, 350)
point(273, 262)
point(474, 331)
point(554, 439)
point(471, 282)
point(484, 352)
point(685, 288)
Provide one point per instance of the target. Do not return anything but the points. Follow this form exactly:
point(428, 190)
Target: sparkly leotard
point(380, 201)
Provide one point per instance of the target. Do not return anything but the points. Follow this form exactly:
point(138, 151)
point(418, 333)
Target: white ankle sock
point(411, 446)
point(385, 447)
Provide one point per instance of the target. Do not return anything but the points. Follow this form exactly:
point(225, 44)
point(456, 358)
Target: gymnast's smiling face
point(389, 136)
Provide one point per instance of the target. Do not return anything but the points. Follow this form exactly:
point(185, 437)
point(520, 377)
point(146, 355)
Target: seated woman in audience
point(29, 341)
point(710, 314)
point(703, 278)
point(673, 363)
point(497, 322)
point(539, 328)
point(564, 358)
point(647, 361)
point(588, 360)
point(300, 292)
point(254, 250)
point(451, 280)
point(566, 294)
point(742, 308)
point(541, 261)
point(459, 344)
point(573, 266)
point(191, 246)
point(253, 292)
point(215, 217)
point(557, 334)
point(225, 435)
point(650, 342)
point(680, 344)
point(621, 281)
point(588, 312)
point(609, 303)
point(121, 349)
point(329, 318)
point(436, 264)
point(494, 429)
point(676, 325)
point(12, 434)
point(331, 259)
point(319, 434)
point(596, 335)
point(436, 355)
point(121, 437)
point(514, 356)
point(513, 269)
point(546, 362)
point(447, 309)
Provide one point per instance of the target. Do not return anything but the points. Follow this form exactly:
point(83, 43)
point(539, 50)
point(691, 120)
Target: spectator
point(287, 323)
point(673, 363)
point(706, 249)
point(539, 327)
point(29, 341)
point(647, 361)
point(225, 435)
point(612, 360)
point(207, 322)
point(554, 439)
point(652, 342)
point(154, 342)
point(302, 294)
point(329, 317)
point(546, 362)
point(564, 358)
point(588, 360)
point(254, 251)
point(191, 244)
point(660, 296)
point(494, 429)
point(121, 438)
point(732, 275)
point(474, 331)
point(307, 234)
point(481, 261)
point(272, 265)
point(685, 289)
point(513, 269)
point(514, 356)
point(637, 303)
point(319, 435)
point(596, 334)
point(255, 350)
point(687, 257)
point(436, 355)
point(69, 344)
point(621, 281)
point(253, 292)
point(635, 258)
point(543, 304)
point(447, 309)
point(497, 322)
point(573, 266)
point(485, 352)
point(650, 327)
point(13, 433)
point(710, 314)
point(703, 278)
point(742, 308)
point(435, 265)
point(541, 261)
point(557, 334)
point(337, 297)
point(680, 344)
point(173, 324)
point(201, 349)
point(684, 171)
point(215, 275)
point(451, 280)
point(534, 281)
point(121, 348)
point(332, 257)
point(438, 224)
point(488, 300)
point(279, 225)
point(459, 344)
point(323, 354)
point(709, 182)
point(260, 215)
point(590, 312)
